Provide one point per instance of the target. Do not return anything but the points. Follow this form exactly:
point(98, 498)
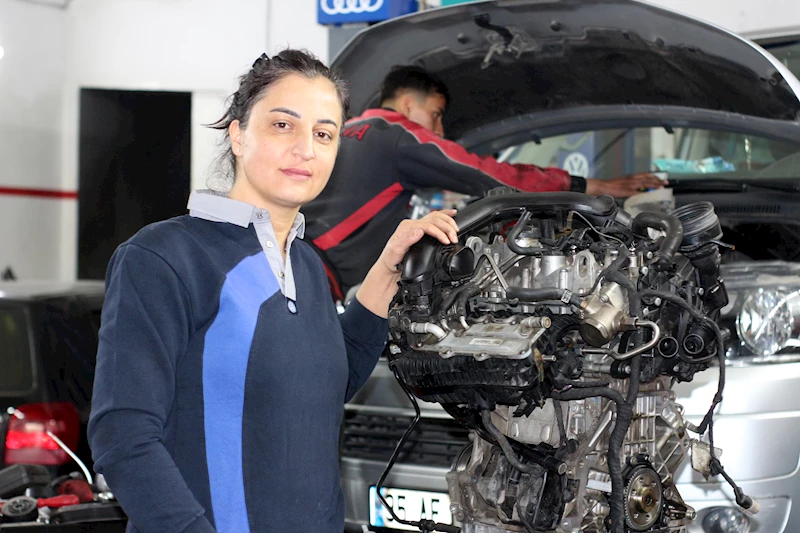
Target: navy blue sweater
point(215, 407)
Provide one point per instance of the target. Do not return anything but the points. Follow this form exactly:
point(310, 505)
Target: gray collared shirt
point(217, 207)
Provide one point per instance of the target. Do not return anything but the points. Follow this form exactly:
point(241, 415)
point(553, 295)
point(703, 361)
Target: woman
point(223, 365)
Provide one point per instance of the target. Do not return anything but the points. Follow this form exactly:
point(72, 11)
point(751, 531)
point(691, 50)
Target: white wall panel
point(740, 16)
point(31, 81)
point(200, 46)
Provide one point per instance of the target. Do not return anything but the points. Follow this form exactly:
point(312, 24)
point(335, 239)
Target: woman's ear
point(235, 134)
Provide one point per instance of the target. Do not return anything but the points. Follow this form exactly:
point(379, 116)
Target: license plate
point(412, 505)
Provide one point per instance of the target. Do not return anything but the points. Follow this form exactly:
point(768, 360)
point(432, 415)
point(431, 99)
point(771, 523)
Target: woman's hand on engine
point(380, 285)
point(437, 224)
point(624, 186)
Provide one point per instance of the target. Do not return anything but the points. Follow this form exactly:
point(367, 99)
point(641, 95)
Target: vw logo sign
point(577, 164)
point(347, 7)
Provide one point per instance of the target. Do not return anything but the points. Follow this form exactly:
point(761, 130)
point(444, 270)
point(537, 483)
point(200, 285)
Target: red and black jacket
point(383, 159)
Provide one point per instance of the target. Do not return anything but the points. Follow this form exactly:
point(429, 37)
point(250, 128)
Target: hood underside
point(502, 59)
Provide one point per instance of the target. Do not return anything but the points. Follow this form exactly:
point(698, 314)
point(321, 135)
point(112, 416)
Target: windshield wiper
point(733, 185)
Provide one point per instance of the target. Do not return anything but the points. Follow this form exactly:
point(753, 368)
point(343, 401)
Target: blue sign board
point(351, 11)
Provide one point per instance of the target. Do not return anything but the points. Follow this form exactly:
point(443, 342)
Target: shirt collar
point(217, 207)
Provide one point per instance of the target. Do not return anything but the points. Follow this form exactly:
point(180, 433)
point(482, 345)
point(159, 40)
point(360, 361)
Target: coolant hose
point(525, 294)
point(669, 224)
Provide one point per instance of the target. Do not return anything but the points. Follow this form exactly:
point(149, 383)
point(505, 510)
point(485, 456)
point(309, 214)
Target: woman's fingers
point(438, 224)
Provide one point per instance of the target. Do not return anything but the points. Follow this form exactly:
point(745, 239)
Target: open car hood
point(509, 58)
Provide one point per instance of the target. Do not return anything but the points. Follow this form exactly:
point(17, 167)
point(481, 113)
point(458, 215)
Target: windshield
point(682, 152)
point(788, 53)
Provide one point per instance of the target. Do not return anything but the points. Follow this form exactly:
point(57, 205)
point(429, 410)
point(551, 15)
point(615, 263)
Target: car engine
point(554, 330)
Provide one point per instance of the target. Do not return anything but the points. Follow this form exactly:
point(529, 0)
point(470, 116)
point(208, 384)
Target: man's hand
point(624, 186)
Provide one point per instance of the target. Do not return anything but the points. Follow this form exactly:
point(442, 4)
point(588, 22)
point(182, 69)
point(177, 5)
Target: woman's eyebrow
point(287, 111)
point(297, 115)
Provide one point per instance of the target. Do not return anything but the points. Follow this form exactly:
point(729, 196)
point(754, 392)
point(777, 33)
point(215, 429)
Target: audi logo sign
point(346, 7)
point(349, 11)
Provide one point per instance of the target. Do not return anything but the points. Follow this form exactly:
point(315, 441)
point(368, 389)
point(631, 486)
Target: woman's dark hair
point(264, 73)
point(412, 78)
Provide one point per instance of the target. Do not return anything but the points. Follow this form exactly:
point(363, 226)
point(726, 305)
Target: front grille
point(434, 442)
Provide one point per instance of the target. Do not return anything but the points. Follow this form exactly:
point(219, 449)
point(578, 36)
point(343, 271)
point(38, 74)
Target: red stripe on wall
point(38, 193)
point(346, 227)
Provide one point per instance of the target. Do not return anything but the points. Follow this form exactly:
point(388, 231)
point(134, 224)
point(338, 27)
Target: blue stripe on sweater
point(225, 358)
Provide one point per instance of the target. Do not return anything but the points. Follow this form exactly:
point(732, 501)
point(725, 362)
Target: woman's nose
point(304, 146)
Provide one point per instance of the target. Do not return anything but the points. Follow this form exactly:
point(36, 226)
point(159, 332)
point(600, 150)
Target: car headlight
point(766, 320)
point(726, 520)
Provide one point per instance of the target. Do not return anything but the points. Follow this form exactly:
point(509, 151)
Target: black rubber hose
point(615, 266)
point(624, 412)
point(425, 525)
point(525, 294)
point(590, 392)
point(615, 441)
point(624, 415)
point(464, 296)
point(598, 209)
point(548, 462)
point(620, 279)
point(670, 224)
point(454, 294)
point(511, 239)
point(563, 383)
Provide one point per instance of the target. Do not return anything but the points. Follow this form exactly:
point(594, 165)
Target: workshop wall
point(52, 51)
point(196, 46)
point(31, 81)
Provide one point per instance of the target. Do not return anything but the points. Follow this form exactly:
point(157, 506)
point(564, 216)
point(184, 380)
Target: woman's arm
point(145, 325)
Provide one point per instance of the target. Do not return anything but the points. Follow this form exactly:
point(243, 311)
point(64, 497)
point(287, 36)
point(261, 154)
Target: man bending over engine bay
point(554, 330)
point(389, 153)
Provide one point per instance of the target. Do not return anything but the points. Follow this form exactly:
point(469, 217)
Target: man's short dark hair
point(412, 78)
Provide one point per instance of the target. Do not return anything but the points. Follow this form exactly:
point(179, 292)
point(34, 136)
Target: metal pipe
point(496, 269)
point(427, 327)
point(636, 351)
point(604, 423)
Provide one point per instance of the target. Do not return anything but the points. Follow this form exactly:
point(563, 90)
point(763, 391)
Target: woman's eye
point(324, 135)
point(282, 125)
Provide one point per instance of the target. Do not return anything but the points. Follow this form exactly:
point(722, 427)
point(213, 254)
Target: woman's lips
point(297, 173)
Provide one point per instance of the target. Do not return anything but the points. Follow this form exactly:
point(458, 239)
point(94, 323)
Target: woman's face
point(286, 154)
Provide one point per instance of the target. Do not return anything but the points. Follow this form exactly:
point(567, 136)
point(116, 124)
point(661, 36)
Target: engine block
point(554, 331)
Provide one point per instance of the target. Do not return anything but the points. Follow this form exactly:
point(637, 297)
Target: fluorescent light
point(2, 52)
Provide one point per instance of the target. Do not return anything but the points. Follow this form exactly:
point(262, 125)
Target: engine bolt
point(657, 301)
point(644, 270)
point(649, 255)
